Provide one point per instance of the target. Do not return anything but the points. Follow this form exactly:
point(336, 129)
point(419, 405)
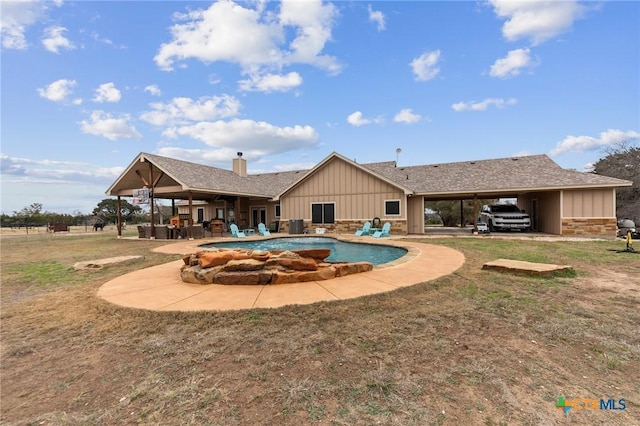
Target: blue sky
point(88, 85)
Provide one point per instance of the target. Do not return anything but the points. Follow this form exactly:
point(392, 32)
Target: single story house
point(341, 194)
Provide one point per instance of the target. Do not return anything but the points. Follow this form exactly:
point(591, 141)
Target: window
point(200, 214)
point(323, 212)
point(277, 210)
point(392, 208)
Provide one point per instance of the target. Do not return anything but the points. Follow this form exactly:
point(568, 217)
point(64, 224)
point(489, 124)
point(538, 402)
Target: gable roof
point(501, 176)
point(363, 167)
point(203, 181)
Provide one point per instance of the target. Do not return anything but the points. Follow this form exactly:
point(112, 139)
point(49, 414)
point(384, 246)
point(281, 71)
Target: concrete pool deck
point(160, 288)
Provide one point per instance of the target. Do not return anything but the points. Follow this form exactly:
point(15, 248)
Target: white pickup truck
point(504, 217)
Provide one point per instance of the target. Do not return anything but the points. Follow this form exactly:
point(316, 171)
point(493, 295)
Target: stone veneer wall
point(592, 227)
point(398, 227)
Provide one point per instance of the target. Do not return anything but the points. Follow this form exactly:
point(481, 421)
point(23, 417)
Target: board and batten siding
point(357, 195)
point(415, 215)
point(549, 213)
point(588, 203)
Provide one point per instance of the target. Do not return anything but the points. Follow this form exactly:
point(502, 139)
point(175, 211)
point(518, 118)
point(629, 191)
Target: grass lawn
point(474, 348)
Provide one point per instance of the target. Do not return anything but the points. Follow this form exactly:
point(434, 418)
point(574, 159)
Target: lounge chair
point(364, 230)
point(235, 232)
point(262, 230)
point(385, 231)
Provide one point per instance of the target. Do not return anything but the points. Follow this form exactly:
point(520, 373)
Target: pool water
point(341, 251)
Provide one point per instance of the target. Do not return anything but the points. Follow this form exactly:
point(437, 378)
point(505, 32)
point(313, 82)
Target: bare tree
point(622, 161)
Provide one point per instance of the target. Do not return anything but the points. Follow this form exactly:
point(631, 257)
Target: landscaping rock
point(211, 259)
point(319, 255)
point(243, 265)
point(259, 267)
point(343, 269)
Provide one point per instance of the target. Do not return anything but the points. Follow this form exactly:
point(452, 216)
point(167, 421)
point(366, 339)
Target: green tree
point(31, 215)
point(107, 209)
point(622, 161)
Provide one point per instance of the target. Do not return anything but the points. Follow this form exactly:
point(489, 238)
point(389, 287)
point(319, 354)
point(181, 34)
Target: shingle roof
point(199, 176)
point(513, 174)
point(504, 176)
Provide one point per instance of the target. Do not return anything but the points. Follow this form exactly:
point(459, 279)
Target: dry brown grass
point(475, 347)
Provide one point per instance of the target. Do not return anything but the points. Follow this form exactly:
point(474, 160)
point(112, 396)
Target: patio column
point(151, 202)
point(475, 213)
point(190, 228)
point(119, 224)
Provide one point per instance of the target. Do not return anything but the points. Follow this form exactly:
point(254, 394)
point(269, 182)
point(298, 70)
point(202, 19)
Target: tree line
point(106, 211)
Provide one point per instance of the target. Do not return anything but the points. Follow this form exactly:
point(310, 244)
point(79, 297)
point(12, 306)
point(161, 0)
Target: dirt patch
point(622, 283)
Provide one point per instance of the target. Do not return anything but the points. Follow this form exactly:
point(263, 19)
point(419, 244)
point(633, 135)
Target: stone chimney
point(240, 166)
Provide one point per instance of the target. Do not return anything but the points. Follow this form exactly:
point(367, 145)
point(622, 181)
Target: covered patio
point(225, 195)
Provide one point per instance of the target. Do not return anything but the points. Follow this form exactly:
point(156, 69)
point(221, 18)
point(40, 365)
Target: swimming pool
point(341, 251)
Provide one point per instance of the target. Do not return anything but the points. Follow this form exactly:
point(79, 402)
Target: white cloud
point(223, 32)
point(357, 120)
point(100, 39)
point(54, 40)
point(483, 105)
point(313, 21)
point(184, 110)
point(377, 17)
point(588, 143)
point(59, 91)
point(536, 20)
point(153, 89)
point(589, 168)
point(294, 166)
point(214, 157)
point(260, 41)
point(15, 18)
point(53, 170)
point(64, 186)
point(271, 82)
point(511, 65)
point(107, 92)
point(248, 136)
point(425, 67)
point(112, 128)
point(407, 116)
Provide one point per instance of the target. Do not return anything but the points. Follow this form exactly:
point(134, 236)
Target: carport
point(559, 201)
